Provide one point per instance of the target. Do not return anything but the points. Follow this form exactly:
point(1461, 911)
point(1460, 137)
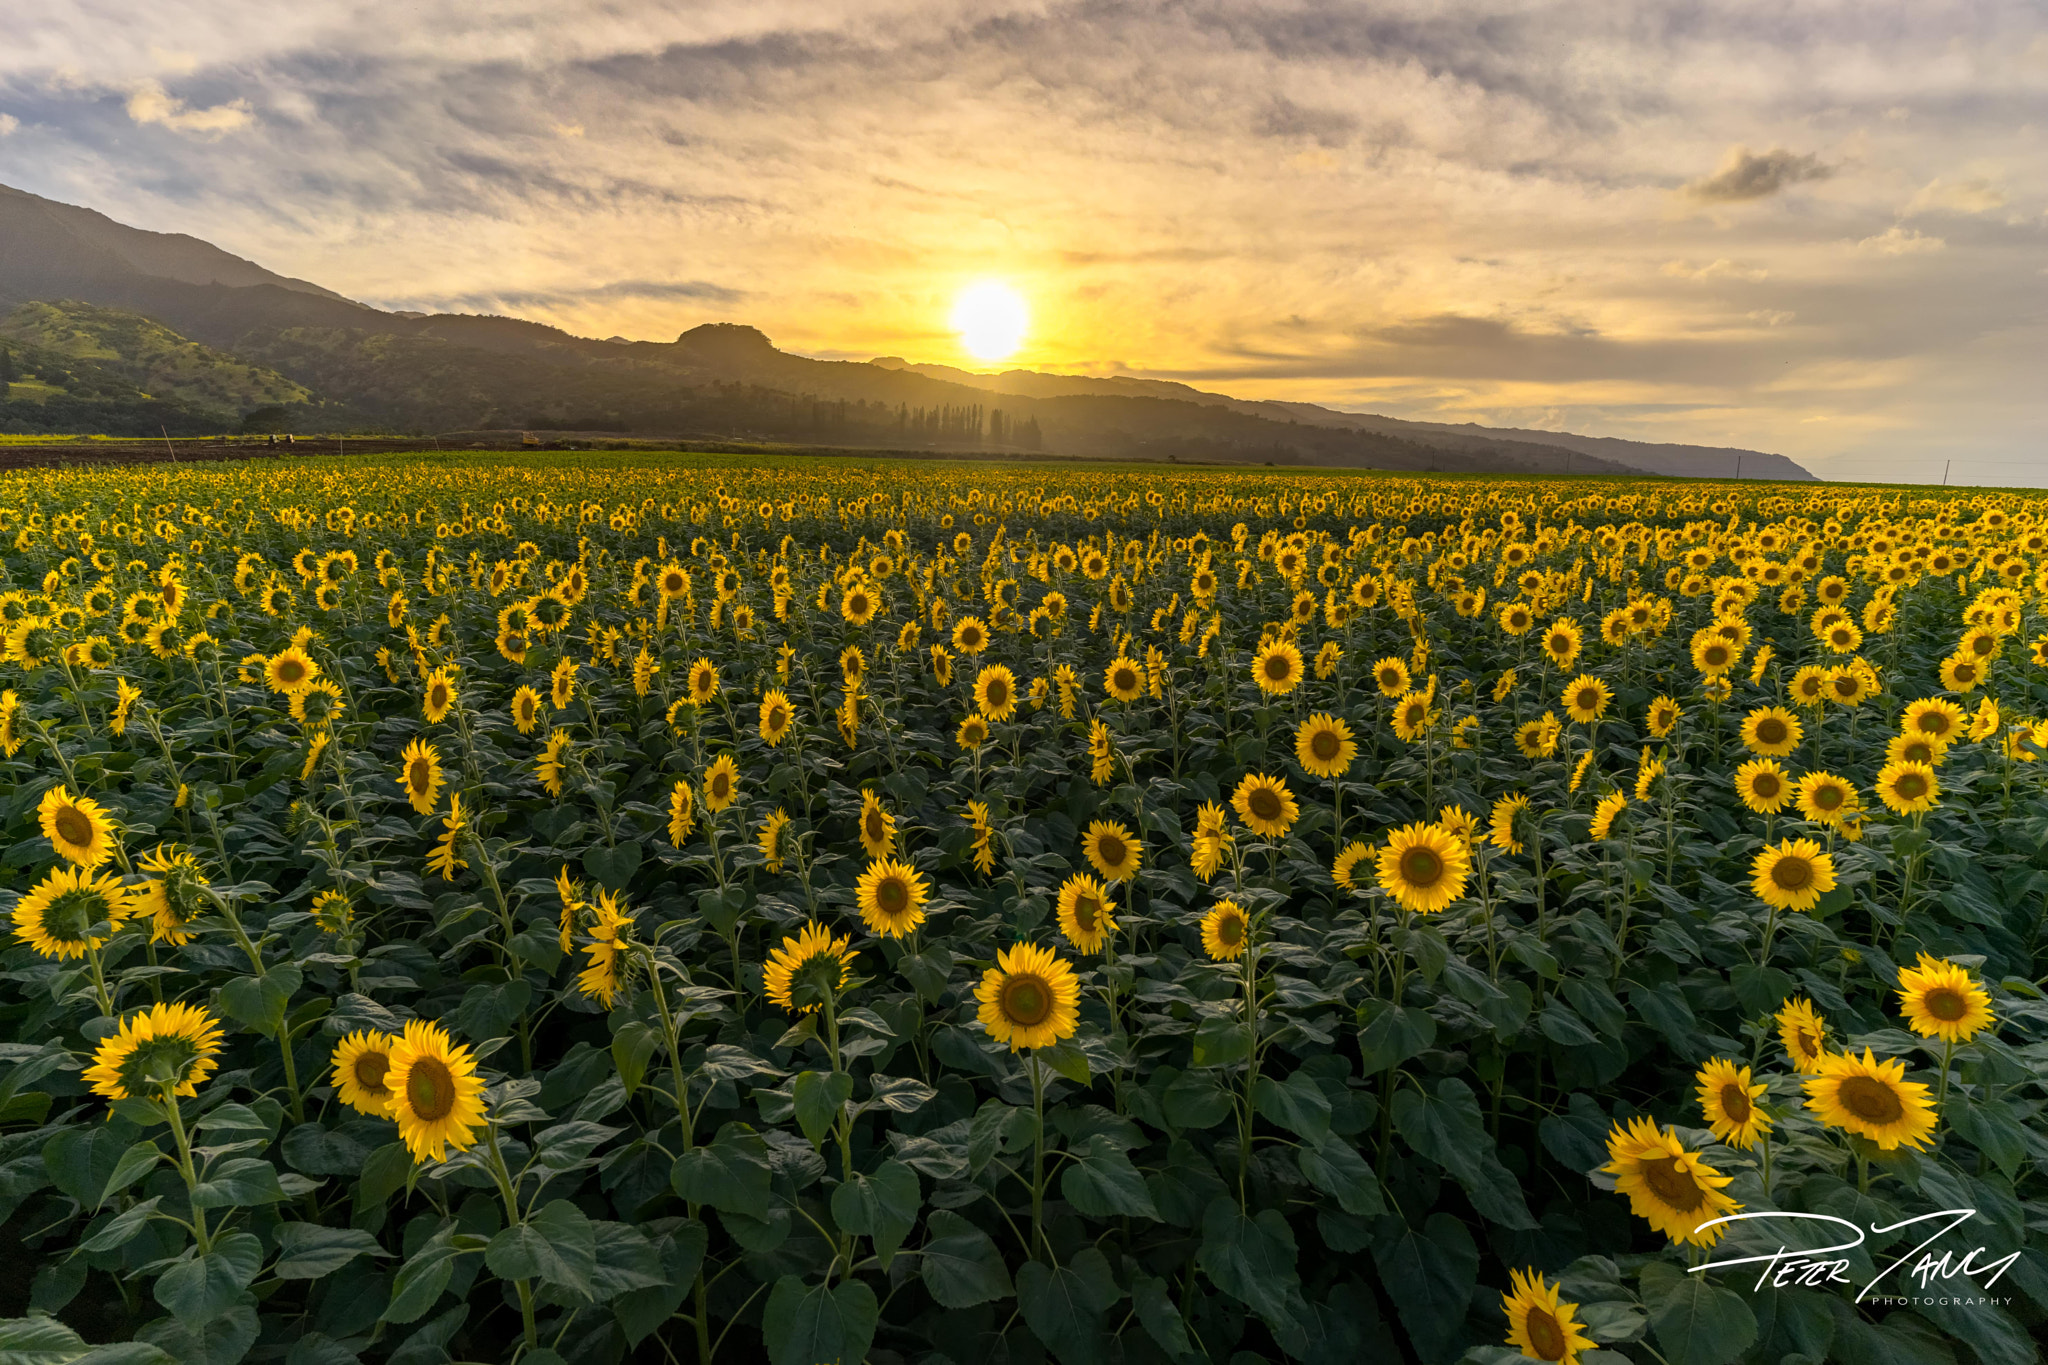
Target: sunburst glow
point(991, 319)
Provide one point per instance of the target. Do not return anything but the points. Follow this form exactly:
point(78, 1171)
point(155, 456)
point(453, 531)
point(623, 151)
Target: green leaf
point(731, 1175)
point(1296, 1104)
point(558, 1245)
point(236, 1183)
point(1067, 1059)
point(307, 1251)
point(1696, 1321)
point(1221, 1040)
point(313, 1150)
point(199, 1290)
point(223, 1341)
point(422, 1278)
point(564, 1146)
point(882, 1206)
point(1760, 989)
point(38, 1341)
point(260, 1002)
point(806, 1325)
point(626, 1261)
point(122, 1229)
point(1159, 1316)
point(1251, 1258)
point(641, 1311)
point(632, 1048)
point(1193, 1100)
point(960, 1265)
point(1447, 1128)
point(1392, 1034)
point(613, 867)
point(80, 1161)
point(1100, 1181)
point(1992, 1128)
point(1429, 1273)
point(135, 1163)
point(820, 1100)
point(1561, 1025)
point(1063, 1307)
point(1336, 1168)
point(928, 973)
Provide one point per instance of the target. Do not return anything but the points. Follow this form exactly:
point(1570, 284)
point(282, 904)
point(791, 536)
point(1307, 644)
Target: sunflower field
point(587, 908)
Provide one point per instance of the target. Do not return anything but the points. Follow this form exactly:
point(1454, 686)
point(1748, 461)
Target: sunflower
point(436, 1095)
point(438, 696)
point(604, 977)
point(1827, 799)
point(1226, 932)
point(1537, 738)
point(77, 827)
point(562, 683)
point(1412, 716)
point(1561, 640)
point(858, 605)
point(1124, 679)
point(1586, 698)
point(1985, 723)
point(1265, 804)
point(172, 896)
point(1664, 716)
point(1871, 1099)
point(1390, 675)
point(167, 1046)
point(1911, 748)
point(970, 635)
point(1345, 870)
point(877, 827)
point(1908, 788)
point(777, 715)
point(525, 709)
point(289, 669)
point(995, 692)
point(1610, 806)
point(1030, 998)
point(1542, 1325)
point(1851, 686)
point(1793, 875)
point(1940, 999)
point(891, 896)
point(1809, 686)
point(1114, 852)
point(1935, 718)
point(362, 1061)
point(1666, 1184)
point(682, 813)
point(703, 682)
point(1763, 786)
point(972, 734)
point(813, 963)
point(56, 917)
point(1276, 668)
point(1086, 913)
point(1324, 746)
point(419, 772)
point(721, 783)
point(1771, 731)
point(1730, 1102)
point(1502, 833)
point(1961, 673)
point(1423, 867)
point(1804, 1034)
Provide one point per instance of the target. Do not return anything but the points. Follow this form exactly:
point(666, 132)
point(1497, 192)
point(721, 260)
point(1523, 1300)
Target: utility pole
point(1944, 472)
point(167, 444)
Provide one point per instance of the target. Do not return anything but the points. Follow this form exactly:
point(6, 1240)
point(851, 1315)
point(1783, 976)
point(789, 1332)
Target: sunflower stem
point(1948, 1052)
point(1037, 1153)
point(185, 1166)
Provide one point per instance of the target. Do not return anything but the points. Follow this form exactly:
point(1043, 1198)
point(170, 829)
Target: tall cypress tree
point(6, 369)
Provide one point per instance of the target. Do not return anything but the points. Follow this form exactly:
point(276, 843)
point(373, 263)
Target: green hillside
point(155, 361)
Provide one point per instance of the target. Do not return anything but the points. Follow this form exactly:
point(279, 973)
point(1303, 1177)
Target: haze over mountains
point(138, 331)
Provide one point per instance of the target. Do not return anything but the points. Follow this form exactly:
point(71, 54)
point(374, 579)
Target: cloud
point(1901, 241)
point(1744, 174)
point(8, 123)
point(149, 102)
point(1720, 268)
point(1956, 196)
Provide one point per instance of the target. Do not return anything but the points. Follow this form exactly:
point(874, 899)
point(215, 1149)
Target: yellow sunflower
point(77, 827)
point(1412, 716)
point(1935, 718)
point(1763, 786)
point(552, 767)
point(1540, 1323)
point(439, 695)
point(1586, 698)
point(525, 709)
point(1112, 850)
point(436, 1095)
point(1086, 913)
point(1940, 999)
point(1667, 1185)
point(1390, 675)
point(891, 896)
point(165, 1046)
point(1730, 1101)
point(1537, 738)
point(812, 963)
point(995, 692)
point(1424, 867)
point(682, 813)
point(419, 772)
point(1908, 788)
point(858, 604)
point(1872, 1099)
point(970, 635)
point(1276, 668)
point(1809, 686)
point(1124, 679)
point(877, 827)
point(562, 683)
point(57, 915)
point(362, 1062)
point(1792, 875)
point(1226, 931)
point(603, 979)
point(1561, 639)
point(172, 896)
point(1664, 716)
point(973, 733)
point(1961, 672)
point(1265, 804)
point(703, 682)
point(1345, 870)
point(777, 715)
point(1771, 731)
point(1827, 799)
point(289, 669)
point(1610, 806)
point(1324, 746)
point(721, 783)
point(1804, 1034)
point(1502, 832)
point(1911, 748)
point(1030, 998)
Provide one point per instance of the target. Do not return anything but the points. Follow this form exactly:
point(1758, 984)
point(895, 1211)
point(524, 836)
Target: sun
point(991, 319)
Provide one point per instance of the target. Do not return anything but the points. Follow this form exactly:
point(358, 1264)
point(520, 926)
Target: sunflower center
point(892, 895)
point(1828, 798)
point(1113, 850)
point(1912, 786)
point(1026, 999)
point(1870, 1100)
point(1125, 682)
point(1277, 667)
point(1085, 912)
point(1673, 1184)
point(1945, 1003)
point(1421, 867)
point(1588, 699)
point(1546, 1338)
point(1765, 785)
point(370, 1071)
point(1324, 744)
point(1230, 931)
point(430, 1089)
point(438, 698)
point(1735, 1103)
point(876, 832)
point(998, 692)
point(1934, 723)
point(1792, 873)
point(291, 670)
point(73, 826)
point(419, 776)
point(777, 718)
point(1771, 730)
point(1807, 1042)
point(720, 786)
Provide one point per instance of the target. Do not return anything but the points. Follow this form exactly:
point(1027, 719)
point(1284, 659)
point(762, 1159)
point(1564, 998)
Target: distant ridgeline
point(106, 328)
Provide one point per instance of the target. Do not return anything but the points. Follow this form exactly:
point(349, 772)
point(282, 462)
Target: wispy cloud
point(149, 102)
point(1744, 174)
point(1901, 241)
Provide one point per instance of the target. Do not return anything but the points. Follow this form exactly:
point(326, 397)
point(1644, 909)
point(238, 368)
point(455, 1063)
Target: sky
point(1819, 229)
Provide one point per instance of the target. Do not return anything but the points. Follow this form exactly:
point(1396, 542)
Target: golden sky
point(1814, 229)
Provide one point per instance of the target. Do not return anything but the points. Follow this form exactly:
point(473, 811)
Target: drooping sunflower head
point(1871, 1099)
point(436, 1094)
point(809, 968)
point(165, 1047)
point(1804, 1034)
point(1505, 824)
point(1030, 998)
point(71, 912)
point(1086, 915)
point(1112, 850)
point(1729, 1100)
point(1226, 932)
point(1324, 746)
point(1424, 867)
point(1605, 812)
point(362, 1063)
point(891, 897)
point(721, 783)
point(1940, 999)
point(1344, 871)
point(1265, 805)
point(1540, 1323)
point(78, 827)
point(1667, 1184)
